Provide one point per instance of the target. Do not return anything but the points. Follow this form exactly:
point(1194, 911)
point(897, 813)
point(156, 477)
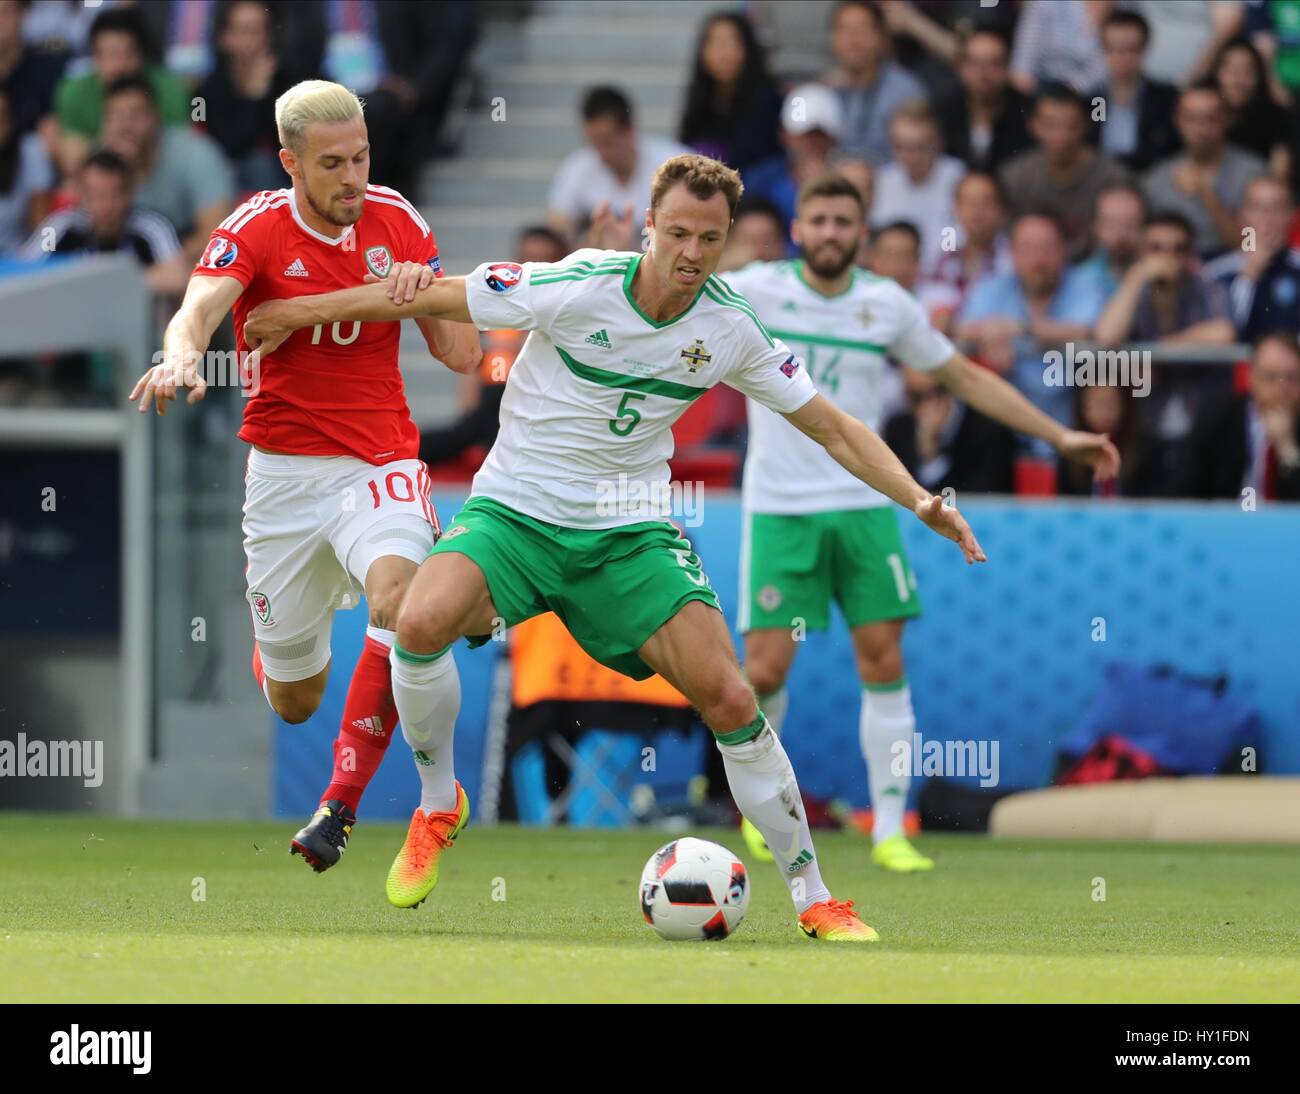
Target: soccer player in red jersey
point(336, 499)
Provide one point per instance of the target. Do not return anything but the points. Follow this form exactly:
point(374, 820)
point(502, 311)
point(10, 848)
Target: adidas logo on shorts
point(601, 339)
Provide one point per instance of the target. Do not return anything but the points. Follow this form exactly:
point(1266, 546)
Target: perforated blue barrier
point(1005, 652)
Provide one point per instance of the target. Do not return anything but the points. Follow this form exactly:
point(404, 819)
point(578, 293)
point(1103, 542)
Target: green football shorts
point(792, 566)
point(612, 587)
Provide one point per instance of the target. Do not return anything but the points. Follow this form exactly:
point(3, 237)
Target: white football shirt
point(587, 414)
point(844, 340)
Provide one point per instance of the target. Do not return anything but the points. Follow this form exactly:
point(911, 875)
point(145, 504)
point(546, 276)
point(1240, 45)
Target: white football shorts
point(312, 527)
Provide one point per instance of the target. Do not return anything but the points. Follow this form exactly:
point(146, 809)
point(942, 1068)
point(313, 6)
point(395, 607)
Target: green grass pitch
point(94, 909)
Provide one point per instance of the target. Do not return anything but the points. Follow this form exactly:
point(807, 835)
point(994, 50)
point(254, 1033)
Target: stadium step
point(579, 39)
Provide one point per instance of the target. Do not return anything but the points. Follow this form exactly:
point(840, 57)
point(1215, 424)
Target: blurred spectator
point(1185, 37)
point(758, 234)
point(1117, 229)
point(26, 179)
point(918, 183)
point(184, 31)
point(1064, 174)
point(928, 35)
point(945, 443)
point(863, 177)
point(616, 165)
point(240, 94)
point(481, 391)
point(1279, 44)
point(794, 36)
point(27, 78)
point(1255, 121)
point(1012, 319)
point(1114, 412)
point(60, 26)
point(1138, 126)
point(1206, 182)
point(733, 106)
point(894, 251)
point(106, 221)
point(119, 48)
point(1059, 43)
point(870, 86)
point(1161, 298)
point(178, 172)
point(985, 123)
point(982, 249)
point(1262, 276)
point(1251, 441)
point(812, 122)
point(403, 59)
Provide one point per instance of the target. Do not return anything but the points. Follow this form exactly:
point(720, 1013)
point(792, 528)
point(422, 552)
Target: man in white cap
point(812, 123)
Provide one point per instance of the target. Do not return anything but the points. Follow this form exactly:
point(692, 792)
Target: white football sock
point(427, 694)
point(775, 706)
point(887, 718)
point(763, 783)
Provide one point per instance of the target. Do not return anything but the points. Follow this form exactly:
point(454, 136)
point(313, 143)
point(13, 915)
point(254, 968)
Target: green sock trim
point(418, 658)
point(744, 733)
point(895, 685)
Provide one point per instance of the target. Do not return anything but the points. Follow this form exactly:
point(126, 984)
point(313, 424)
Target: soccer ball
point(694, 891)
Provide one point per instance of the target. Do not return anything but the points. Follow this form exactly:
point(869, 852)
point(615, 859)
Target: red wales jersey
point(335, 389)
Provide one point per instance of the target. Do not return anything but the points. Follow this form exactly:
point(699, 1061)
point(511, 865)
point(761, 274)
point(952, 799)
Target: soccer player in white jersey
point(814, 533)
point(336, 498)
point(569, 512)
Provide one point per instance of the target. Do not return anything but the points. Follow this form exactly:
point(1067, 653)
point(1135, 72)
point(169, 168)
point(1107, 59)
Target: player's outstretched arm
point(207, 299)
point(990, 394)
point(456, 345)
point(271, 323)
point(862, 453)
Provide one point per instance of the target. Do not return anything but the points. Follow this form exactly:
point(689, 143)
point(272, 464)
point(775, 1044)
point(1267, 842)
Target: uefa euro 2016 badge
point(221, 253)
point(696, 355)
point(379, 261)
point(503, 276)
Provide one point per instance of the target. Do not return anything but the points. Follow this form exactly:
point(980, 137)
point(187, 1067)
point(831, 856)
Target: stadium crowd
point(1081, 173)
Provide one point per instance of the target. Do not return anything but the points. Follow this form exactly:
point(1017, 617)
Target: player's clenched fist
point(950, 524)
point(158, 385)
point(404, 280)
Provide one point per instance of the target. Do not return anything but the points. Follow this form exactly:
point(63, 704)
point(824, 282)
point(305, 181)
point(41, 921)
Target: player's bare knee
point(297, 706)
point(384, 604)
point(421, 631)
point(880, 666)
point(729, 705)
point(765, 677)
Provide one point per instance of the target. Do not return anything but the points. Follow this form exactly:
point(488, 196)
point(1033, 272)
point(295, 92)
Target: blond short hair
point(312, 101)
point(702, 176)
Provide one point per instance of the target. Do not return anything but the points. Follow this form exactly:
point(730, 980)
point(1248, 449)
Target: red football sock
point(369, 718)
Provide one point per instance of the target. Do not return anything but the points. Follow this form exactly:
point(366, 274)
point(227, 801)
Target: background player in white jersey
point(569, 512)
point(336, 500)
point(814, 533)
